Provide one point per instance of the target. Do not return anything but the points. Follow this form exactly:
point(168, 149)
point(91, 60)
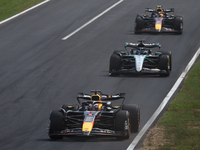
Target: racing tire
point(169, 53)
point(56, 123)
point(67, 107)
point(178, 24)
point(121, 121)
point(139, 24)
point(164, 65)
point(115, 64)
point(134, 111)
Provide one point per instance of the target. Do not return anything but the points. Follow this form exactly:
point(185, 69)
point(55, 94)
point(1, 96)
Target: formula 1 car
point(94, 115)
point(140, 59)
point(159, 21)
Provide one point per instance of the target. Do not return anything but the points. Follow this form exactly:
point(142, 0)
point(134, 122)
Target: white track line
point(164, 102)
point(105, 11)
point(24, 11)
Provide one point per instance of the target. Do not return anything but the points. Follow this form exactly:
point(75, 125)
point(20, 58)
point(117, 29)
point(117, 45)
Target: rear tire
point(164, 65)
point(122, 119)
point(134, 111)
point(115, 64)
point(56, 123)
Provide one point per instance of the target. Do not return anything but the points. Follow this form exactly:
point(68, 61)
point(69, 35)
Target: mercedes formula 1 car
point(139, 58)
point(159, 21)
point(95, 115)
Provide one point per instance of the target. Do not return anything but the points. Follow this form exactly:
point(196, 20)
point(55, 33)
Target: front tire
point(115, 64)
point(169, 53)
point(122, 121)
point(164, 65)
point(56, 124)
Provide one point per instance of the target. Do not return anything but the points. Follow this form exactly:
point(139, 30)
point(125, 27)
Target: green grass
point(9, 8)
point(182, 119)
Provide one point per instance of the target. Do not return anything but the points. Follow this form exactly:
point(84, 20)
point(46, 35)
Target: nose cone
point(139, 66)
point(87, 128)
point(139, 62)
point(158, 27)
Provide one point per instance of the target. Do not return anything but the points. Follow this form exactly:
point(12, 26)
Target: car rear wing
point(164, 10)
point(114, 97)
point(136, 45)
point(169, 10)
point(88, 96)
point(149, 10)
point(104, 97)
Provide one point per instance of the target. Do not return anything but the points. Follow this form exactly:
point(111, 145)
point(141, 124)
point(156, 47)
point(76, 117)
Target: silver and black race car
point(139, 58)
point(159, 21)
point(95, 115)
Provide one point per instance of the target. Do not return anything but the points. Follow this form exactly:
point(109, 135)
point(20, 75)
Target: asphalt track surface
point(39, 71)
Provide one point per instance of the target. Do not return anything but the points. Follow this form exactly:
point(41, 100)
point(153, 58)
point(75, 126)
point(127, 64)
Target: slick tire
point(56, 123)
point(115, 64)
point(134, 111)
point(164, 65)
point(169, 53)
point(122, 119)
point(178, 24)
point(67, 107)
point(139, 24)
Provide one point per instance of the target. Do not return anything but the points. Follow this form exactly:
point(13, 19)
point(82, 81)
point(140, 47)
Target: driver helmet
point(157, 15)
point(138, 52)
point(96, 107)
point(90, 107)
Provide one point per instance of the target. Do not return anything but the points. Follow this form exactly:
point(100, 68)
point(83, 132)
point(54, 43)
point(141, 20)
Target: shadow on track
point(81, 139)
point(131, 75)
point(132, 32)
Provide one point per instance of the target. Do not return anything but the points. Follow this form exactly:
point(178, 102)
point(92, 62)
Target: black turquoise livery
point(139, 58)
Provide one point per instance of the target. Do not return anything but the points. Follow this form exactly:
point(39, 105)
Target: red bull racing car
point(159, 21)
point(95, 115)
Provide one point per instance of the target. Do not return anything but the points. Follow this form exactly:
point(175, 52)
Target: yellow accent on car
point(99, 105)
point(69, 106)
point(158, 26)
point(87, 126)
